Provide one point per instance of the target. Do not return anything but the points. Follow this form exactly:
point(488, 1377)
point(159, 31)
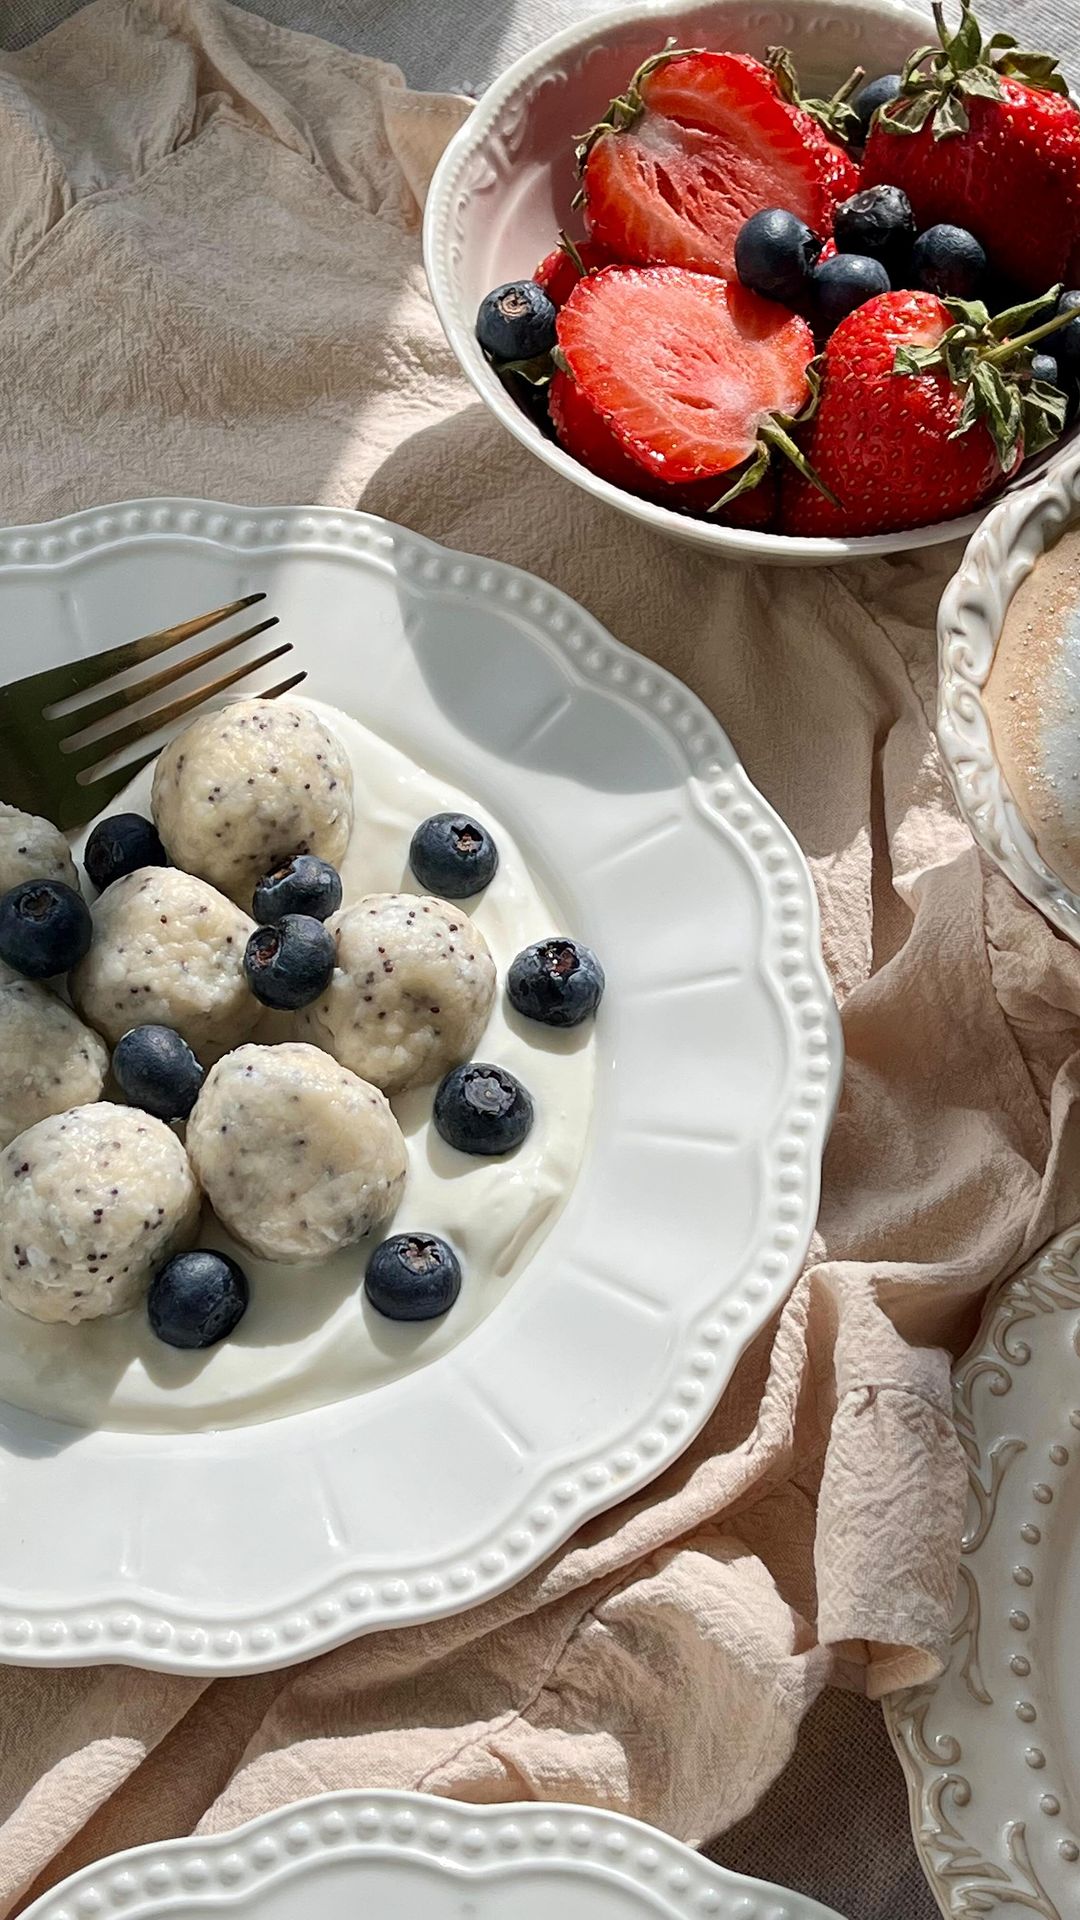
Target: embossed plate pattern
point(970, 618)
point(718, 1064)
point(992, 1749)
point(407, 1856)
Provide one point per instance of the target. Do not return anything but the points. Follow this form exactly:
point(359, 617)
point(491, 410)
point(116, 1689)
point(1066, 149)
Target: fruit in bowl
point(789, 313)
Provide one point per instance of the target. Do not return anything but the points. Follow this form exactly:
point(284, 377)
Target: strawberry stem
point(996, 356)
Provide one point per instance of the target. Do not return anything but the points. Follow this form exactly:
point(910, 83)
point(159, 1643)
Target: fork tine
point(283, 686)
point(107, 785)
point(110, 703)
point(107, 744)
point(59, 683)
point(100, 791)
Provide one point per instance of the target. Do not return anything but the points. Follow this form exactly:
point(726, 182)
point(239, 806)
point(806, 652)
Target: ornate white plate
point(407, 1856)
point(972, 612)
point(992, 1749)
point(718, 1064)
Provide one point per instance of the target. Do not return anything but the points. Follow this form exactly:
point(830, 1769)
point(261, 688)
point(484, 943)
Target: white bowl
point(504, 185)
point(970, 619)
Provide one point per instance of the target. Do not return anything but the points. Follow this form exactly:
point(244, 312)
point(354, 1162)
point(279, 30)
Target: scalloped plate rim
point(964, 1871)
point(1000, 554)
point(586, 1858)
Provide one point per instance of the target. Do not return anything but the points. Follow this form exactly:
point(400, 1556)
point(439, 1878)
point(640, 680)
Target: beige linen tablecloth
point(212, 285)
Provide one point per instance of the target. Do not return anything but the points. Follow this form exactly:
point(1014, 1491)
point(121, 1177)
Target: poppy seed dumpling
point(247, 786)
point(297, 1156)
point(410, 994)
point(92, 1202)
point(168, 950)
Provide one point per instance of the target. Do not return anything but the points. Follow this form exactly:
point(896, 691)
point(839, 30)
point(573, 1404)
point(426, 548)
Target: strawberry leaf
point(774, 436)
point(963, 49)
point(980, 81)
point(1016, 320)
point(951, 116)
point(627, 108)
point(1038, 70)
point(569, 247)
point(935, 79)
point(536, 372)
point(749, 477)
point(1044, 417)
point(914, 360)
point(836, 114)
point(907, 115)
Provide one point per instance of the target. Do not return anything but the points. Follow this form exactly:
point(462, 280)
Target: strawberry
point(698, 142)
point(694, 376)
point(583, 431)
point(561, 269)
point(985, 137)
point(926, 405)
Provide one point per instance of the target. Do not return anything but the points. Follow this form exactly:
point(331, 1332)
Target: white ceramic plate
point(407, 1856)
point(718, 1064)
point(504, 185)
point(992, 1749)
point(970, 618)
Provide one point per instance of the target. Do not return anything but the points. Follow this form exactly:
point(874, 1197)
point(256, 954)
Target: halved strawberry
point(699, 142)
point(692, 374)
point(585, 433)
point(558, 272)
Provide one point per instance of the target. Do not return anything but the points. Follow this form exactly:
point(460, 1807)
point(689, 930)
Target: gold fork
point(46, 767)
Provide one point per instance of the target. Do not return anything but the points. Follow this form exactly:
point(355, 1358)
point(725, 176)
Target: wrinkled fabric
point(211, 284)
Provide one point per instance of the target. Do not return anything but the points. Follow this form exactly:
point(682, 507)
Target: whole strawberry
point(700, 140)
point(926, 405)
point(985, 137)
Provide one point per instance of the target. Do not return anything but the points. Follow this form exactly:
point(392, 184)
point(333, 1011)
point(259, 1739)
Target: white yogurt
point(308, 1338)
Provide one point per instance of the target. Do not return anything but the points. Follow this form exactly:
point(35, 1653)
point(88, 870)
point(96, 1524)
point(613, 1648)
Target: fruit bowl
point(504, 186)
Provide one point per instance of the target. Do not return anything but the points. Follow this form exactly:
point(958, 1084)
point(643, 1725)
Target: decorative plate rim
point(116, 1626)
point(957, 1798)
point(998, 558)
point(486, 140)
point(466, 1842)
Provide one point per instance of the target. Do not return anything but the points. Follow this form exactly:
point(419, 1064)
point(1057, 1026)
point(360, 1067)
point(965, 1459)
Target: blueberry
point(876, 93)
point(453, 856)
point(482, 1109)
point(197, 1298)
point(413, 1276)
point(1066, 344)
point(948, 260)
point(556, 982)
point(301, 885)
point(290, 964)
point(845, 282)
point(516, 321)
point(774, 254)
point(877, 222)
point(1045, 368)
point(156, 1070)
point(120, 845)
point(45, 928)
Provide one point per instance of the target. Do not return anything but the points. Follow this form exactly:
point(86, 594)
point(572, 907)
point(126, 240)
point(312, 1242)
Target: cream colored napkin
point(209, 237)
